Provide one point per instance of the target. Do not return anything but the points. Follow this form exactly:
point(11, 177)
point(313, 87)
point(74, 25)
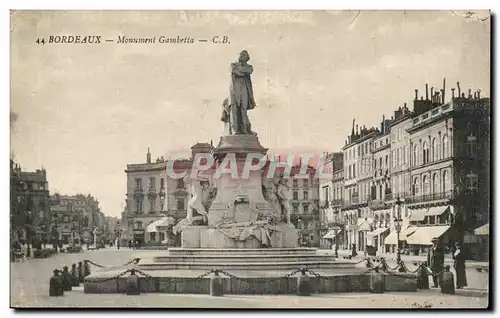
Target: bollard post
point(66, 279)
point(80, 272)
point(133, 287)
point(216, 285)
point(74, 276)
point(423, 277)
point(377, 282)
point(86, 268)
point(369, 263)
point(447, 281)
point(383, 264)
point(303, 284)
point(56, 285)
point(402, 267)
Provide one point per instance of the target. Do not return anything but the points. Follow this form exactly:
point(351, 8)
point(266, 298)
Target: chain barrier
point(87, 280)
point(132, 262)
point(95, 264)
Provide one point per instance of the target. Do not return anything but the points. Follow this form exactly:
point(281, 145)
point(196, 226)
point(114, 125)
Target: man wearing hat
point(435, 259)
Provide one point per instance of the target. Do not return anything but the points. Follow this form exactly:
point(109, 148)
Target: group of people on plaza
point(435, 261)
point(65, 280)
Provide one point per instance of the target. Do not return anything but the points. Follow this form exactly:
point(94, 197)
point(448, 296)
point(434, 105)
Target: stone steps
point(241, 251)
point(208, 259)
point(251, 266)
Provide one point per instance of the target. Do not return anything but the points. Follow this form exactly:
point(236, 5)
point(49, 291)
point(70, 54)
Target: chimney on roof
point(470, 95)
point(458, 86)
point(475, 95)
point(452, 93)
point(443, 90)
point(432, 94)
point(416, 94)
point(426, 91)
point(148, 157)
point(478, 94)
point(357, 132)
point(382, 125)
point(352, 132)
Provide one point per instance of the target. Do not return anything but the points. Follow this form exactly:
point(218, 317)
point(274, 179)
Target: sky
point(84, 112)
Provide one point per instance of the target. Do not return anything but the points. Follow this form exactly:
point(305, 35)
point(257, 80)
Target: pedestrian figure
point(66, 279)
point(130, 244)
point(56, 285)
point(80, 272)
point(354, 253)
point(459, 264)
point(74, 276)
point(435, 259)
point(86, 268)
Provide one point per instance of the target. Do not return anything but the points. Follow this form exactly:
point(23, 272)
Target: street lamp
point(55, 232)
point(118, 234)
point(28, 233)
point(397, 224)
point(299, 224)
point(73, 232)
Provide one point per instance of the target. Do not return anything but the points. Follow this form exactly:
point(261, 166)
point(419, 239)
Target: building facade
point(75, 218)
point(429, 176)
point(358, 181)
point(331, 195)
point(152, 194)
point(305, 205)
point(30, 214)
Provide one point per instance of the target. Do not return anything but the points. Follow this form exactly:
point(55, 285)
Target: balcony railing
point(388, 196)
point(430, 197)
point(336, 203)
point(378, 203)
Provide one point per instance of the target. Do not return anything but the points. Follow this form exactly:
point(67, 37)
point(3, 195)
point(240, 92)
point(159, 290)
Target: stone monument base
point(204, 237)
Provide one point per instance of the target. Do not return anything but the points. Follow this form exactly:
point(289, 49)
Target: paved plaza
point(30, 285)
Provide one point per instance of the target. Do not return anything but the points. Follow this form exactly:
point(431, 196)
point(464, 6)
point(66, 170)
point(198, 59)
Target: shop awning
point(483, 230)
point(424, 234)
point(152, 227)
point(163, 222)
point(166, 221)
point(378, 231)
point(392, 238)
point(418, 214)
point(331, 234)
point(438, 210)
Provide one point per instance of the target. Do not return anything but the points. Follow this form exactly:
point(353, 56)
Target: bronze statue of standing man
point(241, 97)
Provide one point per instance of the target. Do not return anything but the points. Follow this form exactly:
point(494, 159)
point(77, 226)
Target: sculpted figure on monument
point(195, 204)
point(209, 194)
point(284, 199)
point(241, 98)
point(269, 190)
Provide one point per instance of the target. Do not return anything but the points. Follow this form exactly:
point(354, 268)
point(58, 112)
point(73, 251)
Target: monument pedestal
point(285, 236)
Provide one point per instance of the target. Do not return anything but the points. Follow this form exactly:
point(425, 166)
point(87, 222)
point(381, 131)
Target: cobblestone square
point(30, 285)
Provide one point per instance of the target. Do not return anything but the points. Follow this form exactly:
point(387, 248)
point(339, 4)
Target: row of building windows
point(305, 208)
point(421, 154)
point(139, 204)
point(295, 195)
point(305, 183)
point(152, 183)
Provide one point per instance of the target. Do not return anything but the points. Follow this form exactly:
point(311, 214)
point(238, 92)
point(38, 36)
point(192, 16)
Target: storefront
point(139, 236)
point(391, 240)
point(421, 240)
